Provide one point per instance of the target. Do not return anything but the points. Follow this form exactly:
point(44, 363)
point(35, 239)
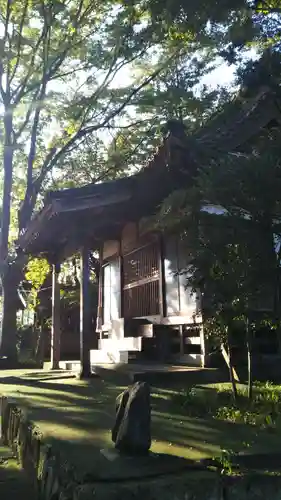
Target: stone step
point(70, 365)
point(102, 356)
point(191, 359)
point(125, 344)
point(192, 340)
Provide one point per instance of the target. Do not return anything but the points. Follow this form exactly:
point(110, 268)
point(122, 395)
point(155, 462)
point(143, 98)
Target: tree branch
point(23, 89)
point(119, 66)
point(19, 41)
point(76, 23)
point(122, 127)
point(70, 72)
point(7, 19)
point(54, 155)
point(104, 175)
point(33, 137)
point(70, 46)
point(87, 130)
point(29, 199)
point(107, 81)
point(28, 115)
point(24, 211)
point(4, 93)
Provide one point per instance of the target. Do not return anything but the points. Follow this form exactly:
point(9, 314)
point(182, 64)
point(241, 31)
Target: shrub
point(263, 411)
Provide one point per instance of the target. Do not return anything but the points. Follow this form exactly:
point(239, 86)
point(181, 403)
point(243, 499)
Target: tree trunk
point(230, 367)
point(9, 320)
point(39, 352)
point(249, 353)
point(7, 186)
point(10, 282)
point(9, 291)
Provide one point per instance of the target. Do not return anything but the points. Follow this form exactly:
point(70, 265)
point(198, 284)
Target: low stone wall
point(52, 477)
point(190, 486)
point(55, 479)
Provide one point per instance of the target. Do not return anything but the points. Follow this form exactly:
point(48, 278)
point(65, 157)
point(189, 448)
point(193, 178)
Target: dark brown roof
point(96, 211)
point(240, 119)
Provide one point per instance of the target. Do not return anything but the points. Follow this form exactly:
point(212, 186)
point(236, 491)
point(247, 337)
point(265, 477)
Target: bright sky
point(223, 76)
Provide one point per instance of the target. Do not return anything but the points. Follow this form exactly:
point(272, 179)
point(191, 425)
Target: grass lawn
point(78, 416)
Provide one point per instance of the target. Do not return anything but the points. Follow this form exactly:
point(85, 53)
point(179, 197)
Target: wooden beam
point(92, 202)
point(56, 331)
point(85, 314)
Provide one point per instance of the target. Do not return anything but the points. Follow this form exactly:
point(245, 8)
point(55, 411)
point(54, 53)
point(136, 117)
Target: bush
point(263, 411)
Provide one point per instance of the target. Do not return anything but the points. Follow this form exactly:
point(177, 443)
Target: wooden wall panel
point(110, 248)
point(179, 299)
point(171, 278)
point(129, 237)
point(111, 291)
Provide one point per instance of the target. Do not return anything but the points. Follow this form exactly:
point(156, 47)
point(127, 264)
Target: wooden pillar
point(56, 331)
point(181, 340)
point(85, 314)
point(202, 344)
point(100, 297)
point(162, 287)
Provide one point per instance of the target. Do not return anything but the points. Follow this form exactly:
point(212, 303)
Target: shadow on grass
point(210, 435)
point(75, 416)
point(78, 417)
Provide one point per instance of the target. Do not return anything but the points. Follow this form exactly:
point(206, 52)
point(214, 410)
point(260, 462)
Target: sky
point(223, 75)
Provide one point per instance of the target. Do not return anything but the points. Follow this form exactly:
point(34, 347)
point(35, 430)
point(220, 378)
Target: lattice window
point(141, 281)
point(141, 264)
point(142, 300)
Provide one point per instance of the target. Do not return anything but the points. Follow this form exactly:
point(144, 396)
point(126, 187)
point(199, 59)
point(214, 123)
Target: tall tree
point(59, 63)
point(243, 23)
point(235, 240)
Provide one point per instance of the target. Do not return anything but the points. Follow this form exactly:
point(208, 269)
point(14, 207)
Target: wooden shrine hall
point(145, 311)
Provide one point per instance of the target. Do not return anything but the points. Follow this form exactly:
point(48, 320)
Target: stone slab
point(115, 466)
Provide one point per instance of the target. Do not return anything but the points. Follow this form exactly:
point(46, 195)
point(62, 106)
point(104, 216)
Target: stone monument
point(131, 432)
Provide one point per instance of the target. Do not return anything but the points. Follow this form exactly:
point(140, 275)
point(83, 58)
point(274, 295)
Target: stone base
point(114, 465)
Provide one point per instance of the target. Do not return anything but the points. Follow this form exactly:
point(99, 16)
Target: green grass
point(216, 400)
point(78, 416)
